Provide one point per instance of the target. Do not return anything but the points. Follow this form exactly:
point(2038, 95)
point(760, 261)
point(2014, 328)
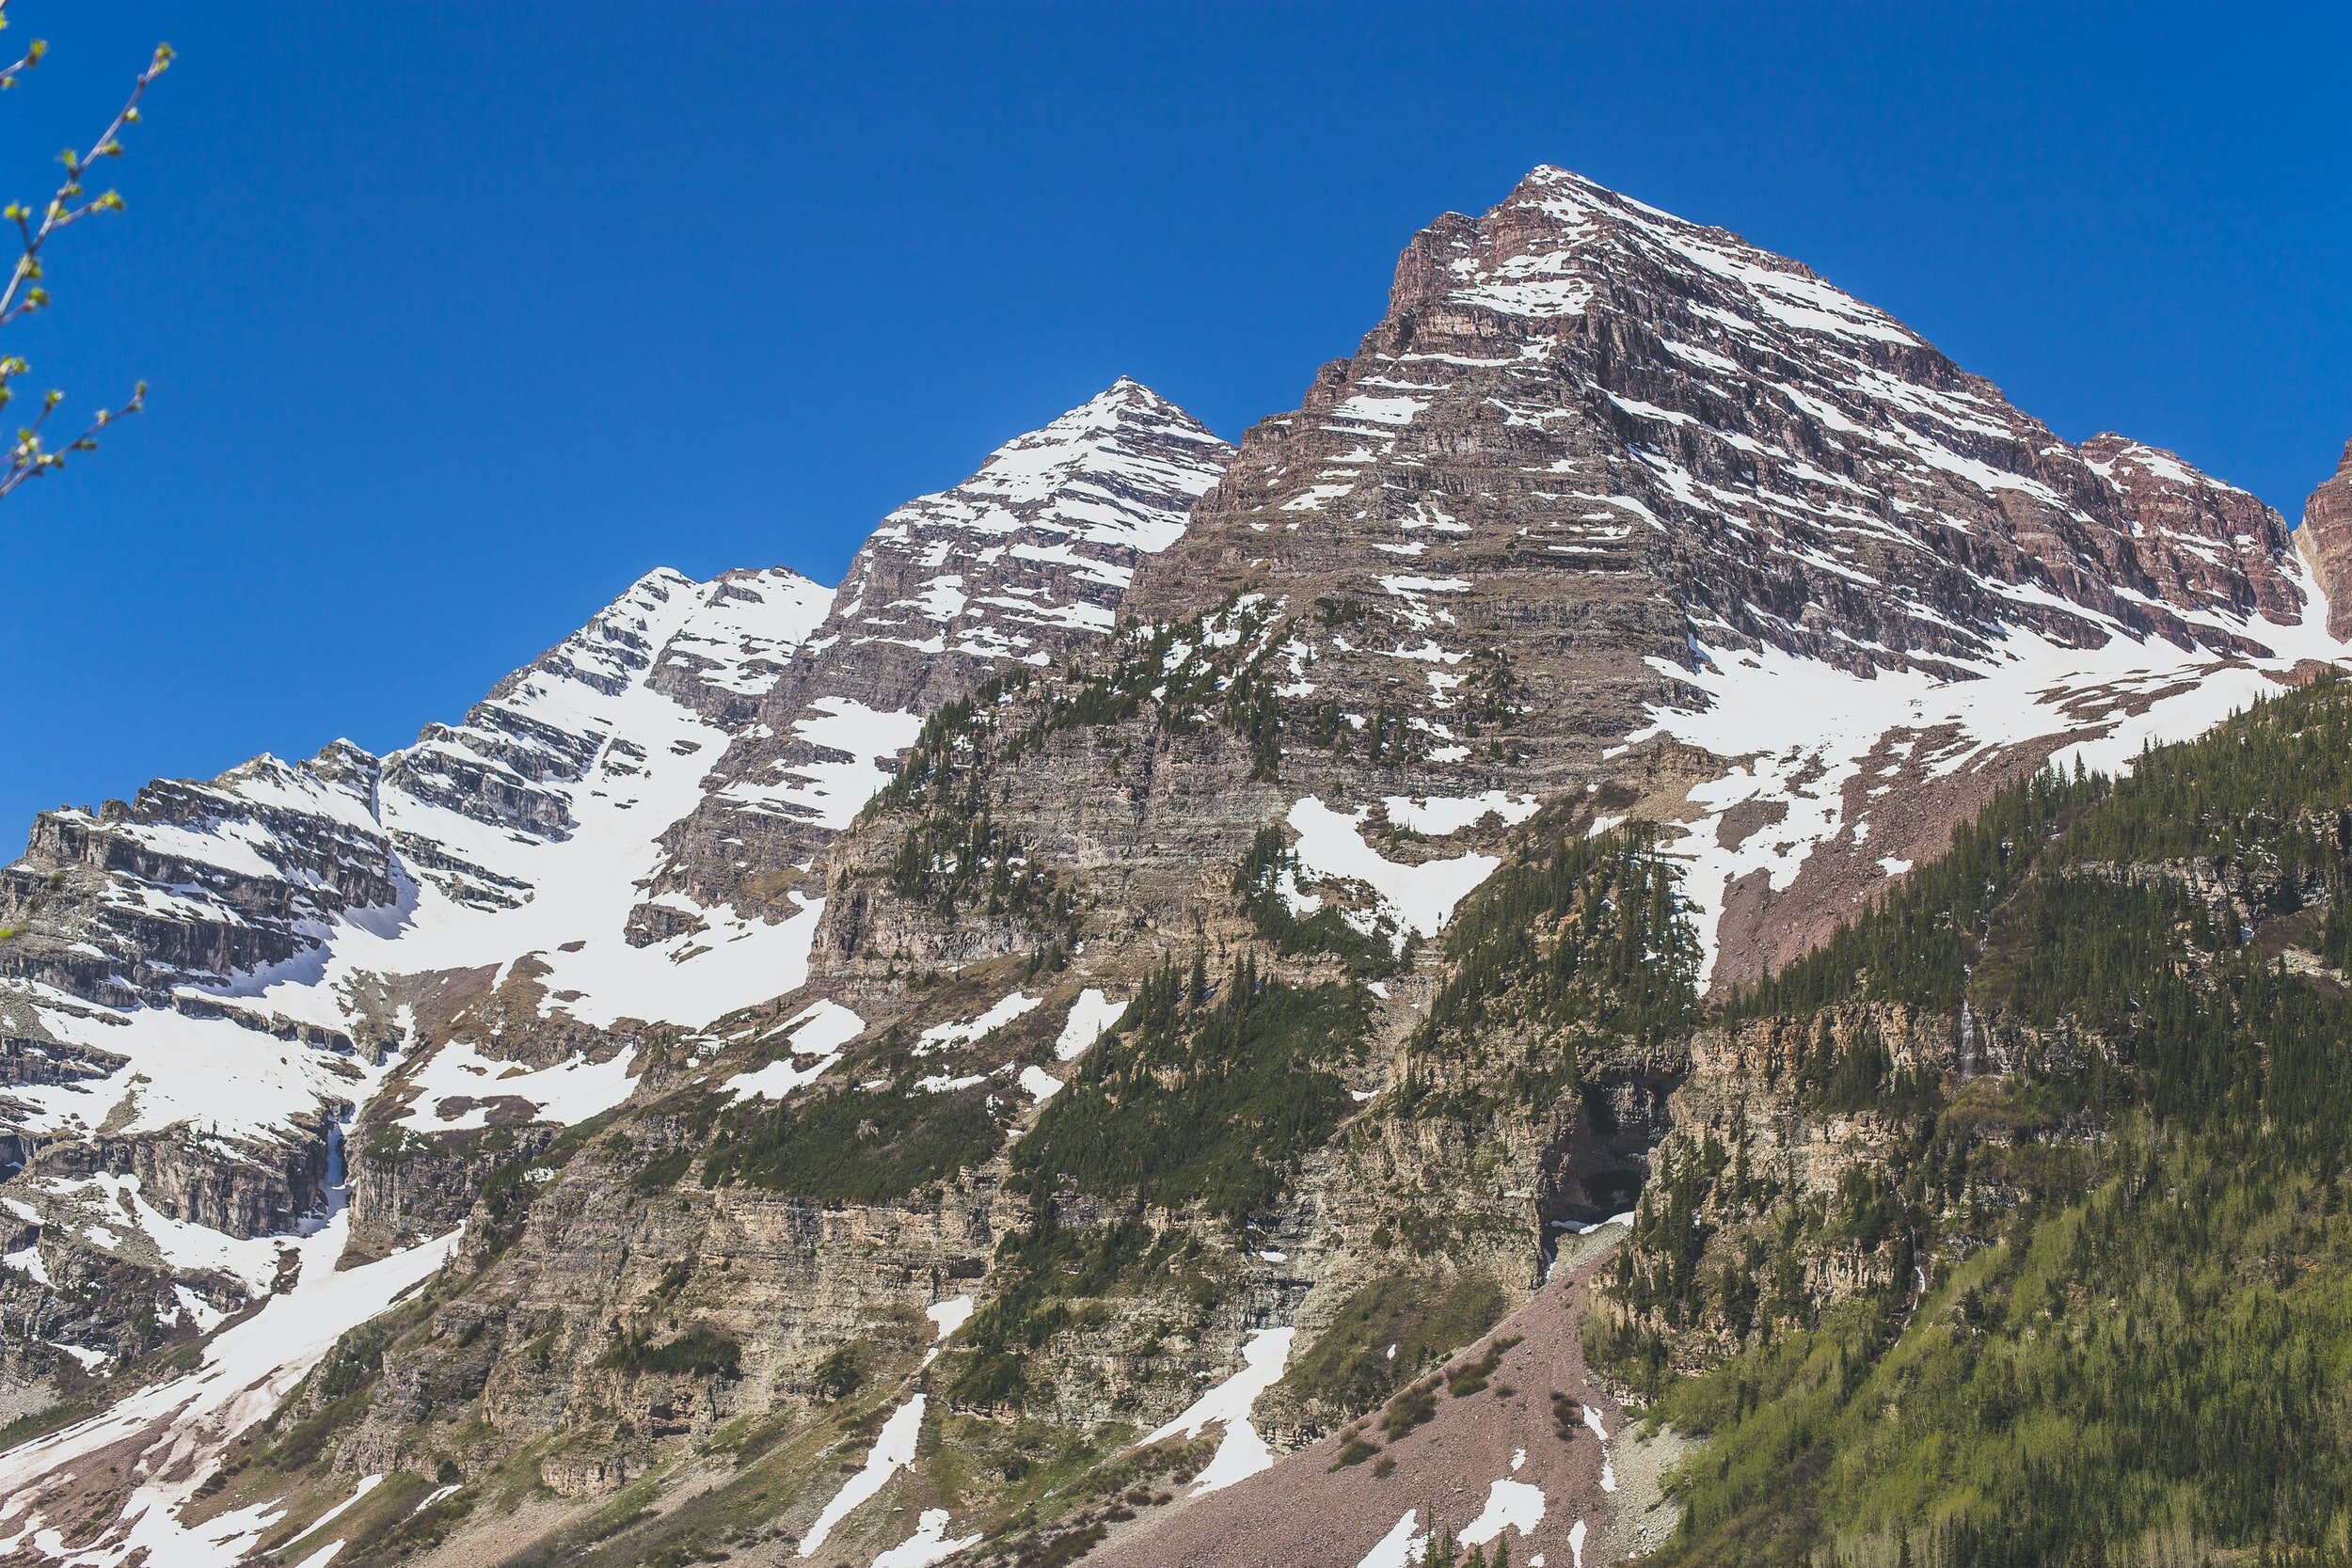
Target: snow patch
point(948, 1036)
point(1510, 1505)
point(1394, 1549)
point(1420, 898)
point(568, 1093)
point(893, 1451)
point(927, 1546)
point(820, 1031)
point(1241, 1453)
point(1440, 816)
point(1091, 1016)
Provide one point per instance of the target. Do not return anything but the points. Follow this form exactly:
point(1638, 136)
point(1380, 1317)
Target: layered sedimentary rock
point(746, 974)
point(2326, 540)
point(451, 950)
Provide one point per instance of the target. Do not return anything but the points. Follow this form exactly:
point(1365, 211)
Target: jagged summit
point(1119, 469)
point(1786, 465)
point(1024, 563)
point(1119, 472)
point(1552, 246)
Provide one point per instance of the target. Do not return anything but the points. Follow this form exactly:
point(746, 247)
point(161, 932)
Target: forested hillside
point(2028, 1242)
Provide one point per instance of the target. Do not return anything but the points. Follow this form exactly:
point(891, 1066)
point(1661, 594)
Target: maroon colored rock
point(2326, 541)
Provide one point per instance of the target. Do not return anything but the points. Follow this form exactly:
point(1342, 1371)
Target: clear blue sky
point(460, 317)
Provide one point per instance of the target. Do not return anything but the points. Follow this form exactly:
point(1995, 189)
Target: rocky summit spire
point(2326, 541)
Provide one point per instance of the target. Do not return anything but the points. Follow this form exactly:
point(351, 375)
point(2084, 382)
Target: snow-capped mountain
point(232, 958)
point(1612, 516)
point(1681, 488)
point(235, 964)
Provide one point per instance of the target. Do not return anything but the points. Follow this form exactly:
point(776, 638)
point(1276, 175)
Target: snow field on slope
point(1091, 1016)
point(218, 1076)
point(949, 1037)
point(104, 1200)
point(1510, 1505)
point(828, 793)
point(1420, 898)
point(1441, 816)
point(819, 1030)
point(2033, 689)
point(247, 1372)
point(214, 1074)
point(893, 1451)
point(571, 1091)
point(1241, 1453)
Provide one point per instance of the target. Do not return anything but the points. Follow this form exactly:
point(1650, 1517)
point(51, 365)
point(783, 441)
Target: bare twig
point(23, 294)
point(29, 459)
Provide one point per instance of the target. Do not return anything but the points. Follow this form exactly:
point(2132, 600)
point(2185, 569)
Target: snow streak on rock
point(1241, 1453)
point(1041, 542)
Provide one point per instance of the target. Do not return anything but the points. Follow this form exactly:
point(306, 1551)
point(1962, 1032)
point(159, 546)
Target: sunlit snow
point(1241, 1453)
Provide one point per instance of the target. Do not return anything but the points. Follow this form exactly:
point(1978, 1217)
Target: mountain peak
point(1023, 562)
point(1120, 468)
point(1124, 414)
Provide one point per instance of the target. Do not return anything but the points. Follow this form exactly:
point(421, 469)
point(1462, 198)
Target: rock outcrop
point(2326, 541)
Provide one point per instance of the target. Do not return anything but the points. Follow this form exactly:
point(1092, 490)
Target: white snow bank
point(1608, 1471)
point(893, 1451)
point(948, 1316)
point(1241, 1453)
point(1091, 1016)
point(927, 1546)
point(209, 1074)
point(829, 793)
point(1510, 1505)
point(1396, 1548)
point(2031, 689)
point(367, 1485)
point(1440, 815)
point(948, 1036)
point(1420, 898)
point(568, 1093)
point(820, 1031)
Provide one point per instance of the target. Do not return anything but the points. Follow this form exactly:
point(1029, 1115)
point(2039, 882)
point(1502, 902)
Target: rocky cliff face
point(1181, 944)
point(2326, 541)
